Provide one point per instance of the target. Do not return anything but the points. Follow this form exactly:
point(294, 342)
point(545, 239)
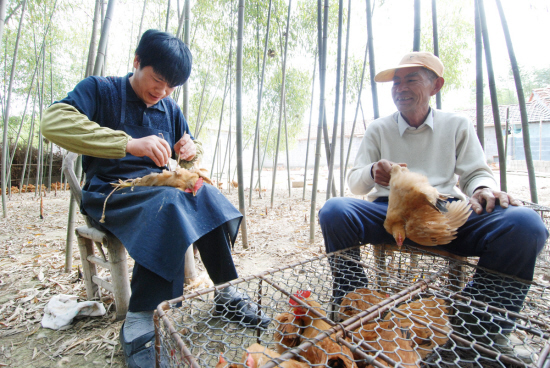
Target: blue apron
point(155, 224)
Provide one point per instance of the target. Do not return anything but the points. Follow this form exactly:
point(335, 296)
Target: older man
point(444, 147)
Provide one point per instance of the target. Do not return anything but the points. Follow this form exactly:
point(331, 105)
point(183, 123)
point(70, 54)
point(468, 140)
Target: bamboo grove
point(262, 71)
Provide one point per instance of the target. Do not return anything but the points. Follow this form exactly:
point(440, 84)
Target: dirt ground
point(32, 259)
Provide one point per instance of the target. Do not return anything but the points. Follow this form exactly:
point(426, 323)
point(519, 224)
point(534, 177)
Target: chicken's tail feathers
point(458, 213)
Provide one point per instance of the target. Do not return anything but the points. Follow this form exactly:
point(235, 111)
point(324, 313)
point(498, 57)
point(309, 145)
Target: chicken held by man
point(417, 211)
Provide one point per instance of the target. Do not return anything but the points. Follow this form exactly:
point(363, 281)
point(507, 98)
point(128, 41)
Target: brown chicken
point(287, 334)
point(256, 356)
point(390, 338)
point(430, 310)
point(417, 211)
point(326, 351)
point(360, 300)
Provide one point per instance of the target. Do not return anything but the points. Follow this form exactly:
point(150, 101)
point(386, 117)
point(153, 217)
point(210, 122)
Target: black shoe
point(140, 352)
point(237, 307)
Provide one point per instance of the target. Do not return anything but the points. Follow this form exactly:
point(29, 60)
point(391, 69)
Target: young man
point(444, 147)
point(128, 127)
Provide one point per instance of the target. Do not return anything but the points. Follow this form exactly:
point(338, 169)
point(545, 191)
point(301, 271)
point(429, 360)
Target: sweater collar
point(403, 125)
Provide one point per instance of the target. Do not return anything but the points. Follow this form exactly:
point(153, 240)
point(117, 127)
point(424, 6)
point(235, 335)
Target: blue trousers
point(505, 240)
point(150, 289)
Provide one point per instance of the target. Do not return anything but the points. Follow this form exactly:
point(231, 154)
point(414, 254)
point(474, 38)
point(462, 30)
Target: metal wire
point(417, 309)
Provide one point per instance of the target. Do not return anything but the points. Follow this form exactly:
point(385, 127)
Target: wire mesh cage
point(411, 308)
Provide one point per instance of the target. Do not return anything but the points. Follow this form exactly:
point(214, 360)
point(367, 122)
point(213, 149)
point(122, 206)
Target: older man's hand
point(487, 197)
point(380, 172)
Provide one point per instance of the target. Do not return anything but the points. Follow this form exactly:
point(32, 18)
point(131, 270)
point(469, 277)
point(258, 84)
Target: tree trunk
point(239, 123)
point(480, 112)
point(281, 102)
point(494, 98)
point(522, 108)
point(370, 43)
point(436, 46)
point(259, 110)
point(336, 98)
point(100, 58)
point(5, 150)
point(417, 26)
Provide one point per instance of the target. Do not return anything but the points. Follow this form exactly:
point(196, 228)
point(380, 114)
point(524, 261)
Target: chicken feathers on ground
point(326, 351)
point(417, 211)
point(433, 311)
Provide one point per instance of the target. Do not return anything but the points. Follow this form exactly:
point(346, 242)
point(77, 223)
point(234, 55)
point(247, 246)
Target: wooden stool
point(118, 282)
point(456, 269)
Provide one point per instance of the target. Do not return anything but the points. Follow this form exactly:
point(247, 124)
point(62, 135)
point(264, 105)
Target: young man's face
point(149, 86)
point(411, 90)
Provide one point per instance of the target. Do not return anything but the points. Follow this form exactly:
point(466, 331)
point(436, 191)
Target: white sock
point(138, 324)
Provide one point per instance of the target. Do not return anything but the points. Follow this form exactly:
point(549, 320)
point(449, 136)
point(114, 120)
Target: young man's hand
point(156, 148)
point(186, 148)
point(487, 197)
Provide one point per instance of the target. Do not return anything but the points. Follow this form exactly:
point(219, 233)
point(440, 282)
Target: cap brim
point(388, 74)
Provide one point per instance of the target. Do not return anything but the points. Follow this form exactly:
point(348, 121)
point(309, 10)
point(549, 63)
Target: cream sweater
point(445, 148)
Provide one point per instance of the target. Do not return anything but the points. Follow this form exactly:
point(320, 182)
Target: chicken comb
point(300, 294)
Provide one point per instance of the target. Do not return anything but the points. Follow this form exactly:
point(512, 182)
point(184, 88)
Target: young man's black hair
point(167, 55)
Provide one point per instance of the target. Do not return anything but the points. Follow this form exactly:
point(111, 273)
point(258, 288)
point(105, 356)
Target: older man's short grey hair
point(430, 74)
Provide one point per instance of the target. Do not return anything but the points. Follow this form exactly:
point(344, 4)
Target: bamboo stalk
point(259, 110)
point(480, 112)
point(343, 131)
point(436, 46)
point(281, 102)
point(321, 33)
point(3, 19)
point(141, 22)
point(100, 58)
point(185, 87)
point(309, 126)
point(7, 112)
point(239, 138)
point(356, 110)
point(93, 40)
point(200, 104)
point(29, 145)
point(167, 16)
point(494, 98)
point(417, 26)
point(372, 68)
point(522, 107)
point(336, 99)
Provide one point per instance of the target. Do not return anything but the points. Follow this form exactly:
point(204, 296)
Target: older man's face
point(411, 90)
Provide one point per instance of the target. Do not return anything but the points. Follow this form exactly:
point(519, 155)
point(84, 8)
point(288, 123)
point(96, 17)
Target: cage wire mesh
point(417, 309)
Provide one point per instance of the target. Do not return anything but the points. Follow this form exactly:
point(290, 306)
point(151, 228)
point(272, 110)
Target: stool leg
point(119, 276)
point(86, 247)
point(456, 275)
point(380, 255)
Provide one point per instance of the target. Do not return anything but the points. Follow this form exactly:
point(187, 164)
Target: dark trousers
point(149, 289)
point(505, 240)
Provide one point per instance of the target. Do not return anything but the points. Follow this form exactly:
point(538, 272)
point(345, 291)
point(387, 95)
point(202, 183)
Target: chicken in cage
point(416, 309)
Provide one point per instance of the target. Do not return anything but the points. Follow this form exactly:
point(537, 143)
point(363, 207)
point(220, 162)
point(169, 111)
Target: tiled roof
point(536, 112)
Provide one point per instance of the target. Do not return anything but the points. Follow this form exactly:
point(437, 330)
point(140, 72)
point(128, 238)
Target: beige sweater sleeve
point(65, 126)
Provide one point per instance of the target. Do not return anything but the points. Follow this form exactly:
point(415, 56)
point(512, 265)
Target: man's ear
point(136, 62)
point(439, 82)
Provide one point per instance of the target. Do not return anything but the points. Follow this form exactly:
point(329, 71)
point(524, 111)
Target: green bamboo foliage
point(522, 108)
